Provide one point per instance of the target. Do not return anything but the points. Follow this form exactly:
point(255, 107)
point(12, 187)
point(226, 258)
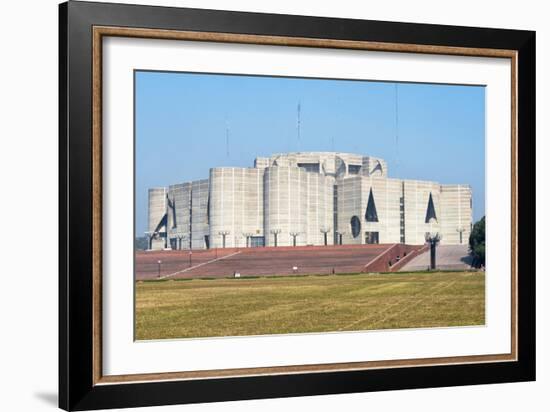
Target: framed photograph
point(256, 205)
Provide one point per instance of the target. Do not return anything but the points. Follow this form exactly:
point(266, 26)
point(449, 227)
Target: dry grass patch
point(260, 306)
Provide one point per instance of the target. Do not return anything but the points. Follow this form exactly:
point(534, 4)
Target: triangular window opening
point(162, 223)
point(430, 212)
point(377, 168)
point(371, 215)
point(172, 207)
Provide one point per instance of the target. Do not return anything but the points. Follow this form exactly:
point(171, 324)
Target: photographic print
point(272, 205)
point(256, 205)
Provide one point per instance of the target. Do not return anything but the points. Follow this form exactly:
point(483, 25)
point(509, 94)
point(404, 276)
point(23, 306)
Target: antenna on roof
point(396, 124)
point(299, 109)
point(226, 137)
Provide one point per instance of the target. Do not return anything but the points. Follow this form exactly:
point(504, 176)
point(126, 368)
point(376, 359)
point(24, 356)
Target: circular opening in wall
point(355, 226)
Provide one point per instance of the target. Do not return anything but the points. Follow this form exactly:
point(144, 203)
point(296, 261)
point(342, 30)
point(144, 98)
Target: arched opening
point(355, 226)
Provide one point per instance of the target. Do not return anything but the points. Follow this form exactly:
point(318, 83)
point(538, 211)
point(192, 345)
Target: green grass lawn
point(258, 306)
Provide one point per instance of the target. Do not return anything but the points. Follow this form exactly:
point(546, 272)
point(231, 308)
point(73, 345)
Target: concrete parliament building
point(306, 198)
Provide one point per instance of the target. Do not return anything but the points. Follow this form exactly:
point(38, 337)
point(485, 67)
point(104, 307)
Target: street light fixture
point(275, 233)
point(340, 237)
point(325, 231)
point(248, 235)
point(149, 236)
point(294, 235)
point(181, 238)
point(223, 234)
point(460, 230)
point(433, 239)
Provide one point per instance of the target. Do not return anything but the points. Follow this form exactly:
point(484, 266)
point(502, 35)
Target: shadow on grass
point(417, 272)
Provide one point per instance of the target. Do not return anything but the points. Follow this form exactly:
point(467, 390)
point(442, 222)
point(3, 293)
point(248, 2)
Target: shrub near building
point(477, 242)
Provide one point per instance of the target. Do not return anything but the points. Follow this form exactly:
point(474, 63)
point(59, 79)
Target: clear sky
point(181, 121)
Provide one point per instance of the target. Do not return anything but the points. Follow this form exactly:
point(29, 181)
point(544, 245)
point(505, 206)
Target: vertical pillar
point(432, 254)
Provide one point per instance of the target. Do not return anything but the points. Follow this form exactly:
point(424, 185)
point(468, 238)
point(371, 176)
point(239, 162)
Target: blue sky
point(181, 120)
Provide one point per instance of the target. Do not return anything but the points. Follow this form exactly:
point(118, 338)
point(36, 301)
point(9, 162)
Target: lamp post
point(275, 233)
point(433, 239)
point(248, 236)
point(223, 234)
point(324, 231)
point(294, 234)
point(341, 236)
point(149, 236)
point(460, 230)
point(159, 262)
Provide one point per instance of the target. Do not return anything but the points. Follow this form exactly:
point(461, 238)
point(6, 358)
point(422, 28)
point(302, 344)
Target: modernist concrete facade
point(300, 199)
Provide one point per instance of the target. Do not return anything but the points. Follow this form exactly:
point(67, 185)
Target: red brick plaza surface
point(267, 261)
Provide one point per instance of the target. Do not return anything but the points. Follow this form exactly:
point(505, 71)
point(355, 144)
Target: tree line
point(477, 243)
